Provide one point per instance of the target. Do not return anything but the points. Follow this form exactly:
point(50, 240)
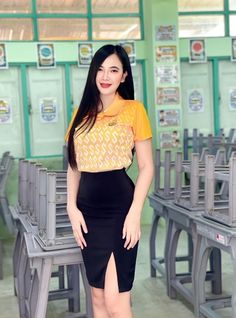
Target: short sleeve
point(141, 125)
point(70, 125)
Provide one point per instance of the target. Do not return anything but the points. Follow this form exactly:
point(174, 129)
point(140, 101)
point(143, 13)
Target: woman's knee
point(98, 298)
point(117, 304)
point(112, 304)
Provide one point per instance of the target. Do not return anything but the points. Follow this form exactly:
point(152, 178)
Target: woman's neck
point(107, 100)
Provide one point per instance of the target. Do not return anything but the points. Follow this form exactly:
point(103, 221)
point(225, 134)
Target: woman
point(104, 206)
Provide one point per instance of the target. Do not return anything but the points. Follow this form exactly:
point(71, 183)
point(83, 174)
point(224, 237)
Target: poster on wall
point(168, 117)
point(165, 33)
point(170, 139)
point(5, 111)
point(233, 49)
point(46, 56)
point(48, 110)
point(232, 98)
point(167, 95)
point(85, 54)
point(167, 74)
point(130, 49)
point(166, 53)
point(197, 51)
point(195, 100)
point(3, 56)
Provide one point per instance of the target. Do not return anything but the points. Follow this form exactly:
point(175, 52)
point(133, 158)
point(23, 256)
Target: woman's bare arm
point(131, 230)
point(75, 215)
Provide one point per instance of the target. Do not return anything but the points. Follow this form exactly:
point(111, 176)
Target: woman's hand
point(78, 224)
point(131, 229)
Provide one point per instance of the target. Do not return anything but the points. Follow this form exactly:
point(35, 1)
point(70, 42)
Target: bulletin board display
point(167, 87)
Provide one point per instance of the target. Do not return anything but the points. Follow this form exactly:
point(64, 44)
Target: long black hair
point(89, 104)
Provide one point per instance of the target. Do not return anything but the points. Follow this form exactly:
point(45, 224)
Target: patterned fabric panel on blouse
point(108, 145)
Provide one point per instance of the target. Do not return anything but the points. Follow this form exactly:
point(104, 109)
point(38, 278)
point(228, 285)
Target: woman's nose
point(105, 75)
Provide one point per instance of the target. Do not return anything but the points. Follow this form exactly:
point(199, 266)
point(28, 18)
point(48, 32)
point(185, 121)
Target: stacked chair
point(197, 196)
point(5, 168)
point(216, 228)
point(196, 141)
point(44, 242)
point(178, 204)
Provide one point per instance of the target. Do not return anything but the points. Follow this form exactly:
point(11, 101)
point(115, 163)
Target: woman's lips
point(105, 85)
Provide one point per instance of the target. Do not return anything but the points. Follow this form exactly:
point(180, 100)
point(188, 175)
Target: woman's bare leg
point(98, 301)
point(118, 304)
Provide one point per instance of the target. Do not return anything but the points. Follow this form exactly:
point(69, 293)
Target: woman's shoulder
point(132, 109)
point(134, 104)
point(135, 107)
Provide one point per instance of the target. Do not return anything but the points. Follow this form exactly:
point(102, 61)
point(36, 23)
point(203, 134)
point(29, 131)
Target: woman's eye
point(114, 71)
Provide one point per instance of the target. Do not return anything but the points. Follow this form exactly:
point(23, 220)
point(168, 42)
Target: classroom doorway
point(47, 110)
point(197, 97)
point(11, 113)
point(227, 94)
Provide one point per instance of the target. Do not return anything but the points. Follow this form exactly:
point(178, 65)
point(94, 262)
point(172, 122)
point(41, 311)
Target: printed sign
point(167, 74)
point(48, 110)
point(197, 51)
point(129, 47)
point(165, 33)
point(195, 100)
point(3, 56)
point(233, 50)
point(167, 95)
point(170, 139)
point(166, 53)
point(46, 58)
point(232, 98)
point(85, 54)
point(5, 111)
point(168, 117)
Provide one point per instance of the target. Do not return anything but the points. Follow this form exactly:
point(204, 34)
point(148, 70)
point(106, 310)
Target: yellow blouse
point(108, 145)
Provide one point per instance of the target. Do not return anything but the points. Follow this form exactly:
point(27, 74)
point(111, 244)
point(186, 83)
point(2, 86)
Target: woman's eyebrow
point(113, 66)
point(116, 67)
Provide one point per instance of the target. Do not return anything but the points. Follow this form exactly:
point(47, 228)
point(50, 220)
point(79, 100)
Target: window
point(201, 26)
point(14, 7)
point(207, 18)
point(58, 6)
point(114, 6)
point(120, 28)
point(202, 5)
point(16, 29)
point(232, 24)
point(232, 5)
point(62, 29)
point(65, 20)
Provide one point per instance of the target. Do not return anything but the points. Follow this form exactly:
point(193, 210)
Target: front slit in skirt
point(104, 198)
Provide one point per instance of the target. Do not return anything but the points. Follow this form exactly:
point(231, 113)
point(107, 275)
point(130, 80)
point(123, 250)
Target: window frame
point(226, 13)
point(34, 16)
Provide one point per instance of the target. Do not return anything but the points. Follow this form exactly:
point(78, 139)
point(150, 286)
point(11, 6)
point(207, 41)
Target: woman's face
point(109, 76)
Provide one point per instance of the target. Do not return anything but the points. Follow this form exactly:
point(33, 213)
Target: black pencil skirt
point(104, 198)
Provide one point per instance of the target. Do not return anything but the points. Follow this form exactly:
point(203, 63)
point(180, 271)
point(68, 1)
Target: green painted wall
point(26, 52)
point(164, 13)
point(156, 12)
point(149, 18)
